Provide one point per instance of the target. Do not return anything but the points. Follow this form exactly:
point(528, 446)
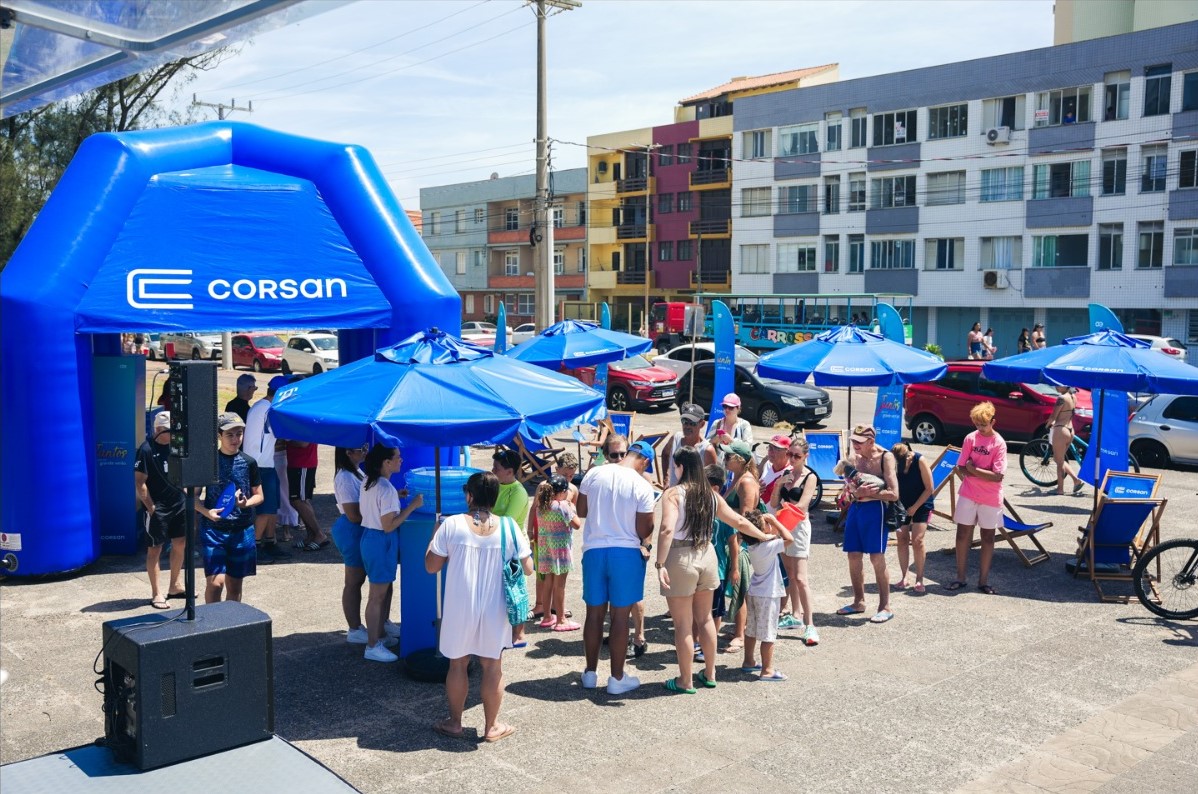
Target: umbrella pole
point(848, 447)
point(1098, 449)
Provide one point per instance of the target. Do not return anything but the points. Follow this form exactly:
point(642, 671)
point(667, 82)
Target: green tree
point(36, 146)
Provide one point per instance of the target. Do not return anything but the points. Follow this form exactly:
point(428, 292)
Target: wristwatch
point(647, 546)
point(659, 565)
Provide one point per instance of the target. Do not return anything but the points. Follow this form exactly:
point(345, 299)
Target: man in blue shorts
point(617, 503)
point(865, 525)
point(227, 514)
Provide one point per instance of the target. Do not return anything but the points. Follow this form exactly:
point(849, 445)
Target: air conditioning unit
point(994, 279)
point(997, 135)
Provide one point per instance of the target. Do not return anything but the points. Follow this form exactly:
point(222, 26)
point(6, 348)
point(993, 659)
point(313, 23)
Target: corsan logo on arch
point(145, 289)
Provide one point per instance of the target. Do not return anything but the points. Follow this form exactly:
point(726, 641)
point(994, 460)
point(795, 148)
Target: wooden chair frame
point(949, 483)
point(534, 464)
point(1147, 536)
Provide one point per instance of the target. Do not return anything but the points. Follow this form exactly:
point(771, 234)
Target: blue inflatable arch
point(215, 226)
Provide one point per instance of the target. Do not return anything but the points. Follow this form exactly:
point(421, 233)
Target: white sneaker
point(379, 653)
point(590, 679)
point(358, 636)
point(391, 629)
point(620, 686)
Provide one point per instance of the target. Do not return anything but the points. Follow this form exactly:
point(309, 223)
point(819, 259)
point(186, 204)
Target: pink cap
point(732, 400)
point(780, 441)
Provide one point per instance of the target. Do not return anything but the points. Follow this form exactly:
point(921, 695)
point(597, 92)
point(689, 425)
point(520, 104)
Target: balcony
point(562, 281)
point(508, 237)
point(1181, 281)
point(712, 226)
point(1056, 282)
point(1062, 138)
point(718, 177)
point(712, 279)
point(633, 231)
point(632, 185)
point(1050, 213)
point(630, 277)
point(563, 234)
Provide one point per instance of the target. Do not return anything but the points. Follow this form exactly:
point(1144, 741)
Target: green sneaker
point(811, 636)
point(789, 621)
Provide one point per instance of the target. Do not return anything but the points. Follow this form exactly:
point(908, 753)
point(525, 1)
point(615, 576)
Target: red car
point(939, 410)
point(634, 383)
point(260, 352)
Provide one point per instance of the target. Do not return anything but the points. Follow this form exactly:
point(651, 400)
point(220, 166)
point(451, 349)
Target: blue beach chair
point(1128, 485)
point(944, 478)
point(1118, 533)
point(824, 454)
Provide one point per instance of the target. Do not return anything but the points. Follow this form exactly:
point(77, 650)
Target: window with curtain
point(1002, 184)
point(1001, 253)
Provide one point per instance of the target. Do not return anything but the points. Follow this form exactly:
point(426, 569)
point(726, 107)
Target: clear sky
point(444, 91)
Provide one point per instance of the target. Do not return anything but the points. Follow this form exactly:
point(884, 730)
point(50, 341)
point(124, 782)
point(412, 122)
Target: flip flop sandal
point(987, 589)
point(311, 546)
point(883, 616)
point(507, 731)
point(955, 586)
point(547, 623)
point(176, 595)
point(733, 647)
point(849, 609)
point(672, 685)
point(705, 681)
point(324, 544)
point(439, 727)
point(160, 603)
point(920, 589)
point(568, 625)
point(754, 669)
point(777, 676)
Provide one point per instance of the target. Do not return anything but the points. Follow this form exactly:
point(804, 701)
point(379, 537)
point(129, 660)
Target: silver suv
point(191, 345)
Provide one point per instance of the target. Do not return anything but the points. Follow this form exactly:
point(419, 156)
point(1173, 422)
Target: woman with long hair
point(687, 568)
point(915, 493)
point(556, 521)
point(973, 341)
point(797, 487)
point(476, 545)
point(347, 534)
point(1060, 436)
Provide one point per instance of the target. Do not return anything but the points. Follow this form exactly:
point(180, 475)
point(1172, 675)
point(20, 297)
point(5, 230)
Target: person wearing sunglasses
point(731, 427)
point(691, 435)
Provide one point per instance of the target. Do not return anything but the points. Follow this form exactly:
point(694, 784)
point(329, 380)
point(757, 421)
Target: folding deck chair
point(1129, 485)
point(822, 457)
point(536, 458)
point(659, 466)
point(1013, 527)
point(1119, 532)
point(944, 470)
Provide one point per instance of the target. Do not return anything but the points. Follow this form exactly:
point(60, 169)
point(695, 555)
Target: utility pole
point(649, 196)
point(544, 292)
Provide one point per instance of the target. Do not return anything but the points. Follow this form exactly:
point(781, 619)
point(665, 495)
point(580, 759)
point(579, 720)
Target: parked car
point(260, 352)
point(634, 383)
point(312, 353)
point(936, 411)
point(678, 359)
point(1168, 345)
point(483, 333)
point(522, 333)
point(1164, 430)
point(764, 401)
point(192, 345)
point(154, 350)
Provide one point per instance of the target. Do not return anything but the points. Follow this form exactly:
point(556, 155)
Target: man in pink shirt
point(981, 467)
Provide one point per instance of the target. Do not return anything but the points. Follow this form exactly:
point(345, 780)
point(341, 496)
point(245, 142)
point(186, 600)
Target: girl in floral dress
point(556, 522)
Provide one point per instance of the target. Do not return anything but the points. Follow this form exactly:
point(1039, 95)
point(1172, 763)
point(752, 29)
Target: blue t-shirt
point(240, 471)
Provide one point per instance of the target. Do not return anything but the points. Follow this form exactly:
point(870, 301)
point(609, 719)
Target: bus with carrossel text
point(771, 321)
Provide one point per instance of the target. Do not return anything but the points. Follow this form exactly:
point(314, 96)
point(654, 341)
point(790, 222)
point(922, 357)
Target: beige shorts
point(970, 513)
point(690, 570)
point(801, 548)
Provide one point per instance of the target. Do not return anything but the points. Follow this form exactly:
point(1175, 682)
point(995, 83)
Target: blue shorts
point(380, 555)
point(231, 553)
point(348, 537)
point(613, 576)
point(865, 528)
point(270, 492)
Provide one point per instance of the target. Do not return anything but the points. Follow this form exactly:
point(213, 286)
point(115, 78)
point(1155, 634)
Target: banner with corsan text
point(601, 369)
point(725, 353)
point(888, 411)
point(1113, 416)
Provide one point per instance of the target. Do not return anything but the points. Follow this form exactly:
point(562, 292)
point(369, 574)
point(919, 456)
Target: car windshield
point(324, 342)
point(634, 362)
point(745, 356)
point(1043, 388)
point(266, 341)
point(485, 326)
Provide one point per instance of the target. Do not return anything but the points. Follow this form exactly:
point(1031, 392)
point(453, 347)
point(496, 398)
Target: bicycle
point(1035, 459)
point(1171, 589)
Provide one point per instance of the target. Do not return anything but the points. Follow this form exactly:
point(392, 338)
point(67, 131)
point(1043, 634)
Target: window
point(857, 192)
point(665, 251)
point(665, 155)
point(1007, 111)
point(1116, 95)
point(831, 195)
point(893, 191)
point(1001, 253)
point(1152, 177)
point(480, 215)
point(684, 252)
point(891, 254)
point(1061, 180)
point(803, 139)
point(582, 260)
point(684, 153)
point(754, 201)
point(796, 198)
point(1158, 82)
point(1063, 106)
point(459, 221)
point(525, 303)
point(582, 213)
point(511, 219)
point(684, 202)
point(1189, 91)
point(892, 128)
point(434, 223)
point(469, 296)
point(755, 259)
point(832, 254)
point(1060, 250)
point(796, 258)
point(488, 304)
point(944, 254)
point(665, 203)
point(950, 121)
point(757, 144)
point(857, 126)
point(1188, 170)
point(1002, 184)
point(946, 188)
point(1185, 246)
point(856, 253)
point(460, 263)
point(833, 128)
point(559, 261)
point(1110, 246)
point(480, 258)
point(558, 217)
point(1152, 244)
point(511, 263)
point(1114, 171)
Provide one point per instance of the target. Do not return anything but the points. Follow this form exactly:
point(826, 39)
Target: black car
point(764, 401)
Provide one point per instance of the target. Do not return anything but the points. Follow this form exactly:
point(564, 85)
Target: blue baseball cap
point(643, 448)
point(278, 382)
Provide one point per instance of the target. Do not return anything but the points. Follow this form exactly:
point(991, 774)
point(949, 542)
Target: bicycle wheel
point(1132, 463)
point(1166, 579)
point(1035, 459)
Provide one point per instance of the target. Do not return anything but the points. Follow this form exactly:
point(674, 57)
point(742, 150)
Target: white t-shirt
point(615, 494)
point(767, 577)
point(677, 445)
point(347, 489)
point(259, 441)
point(376, 502)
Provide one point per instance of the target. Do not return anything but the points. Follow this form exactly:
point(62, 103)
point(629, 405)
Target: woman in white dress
point(476, 545)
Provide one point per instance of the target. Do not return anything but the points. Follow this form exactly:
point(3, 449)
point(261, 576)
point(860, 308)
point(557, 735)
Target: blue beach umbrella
point(578, 343)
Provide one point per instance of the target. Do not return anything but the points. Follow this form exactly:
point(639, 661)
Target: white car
point(678, 359)
point(311, 353)
point(1164, 430)
point(522, 333)
point(192, 345)
point(1167, 345)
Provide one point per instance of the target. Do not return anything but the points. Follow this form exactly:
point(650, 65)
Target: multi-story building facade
point(482, 234)
point(1008, 190)
point(1077, 20)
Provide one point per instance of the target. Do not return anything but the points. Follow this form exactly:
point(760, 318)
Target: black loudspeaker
point(176, 690)
point(193, 424)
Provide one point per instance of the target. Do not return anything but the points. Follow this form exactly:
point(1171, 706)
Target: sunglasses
point(856, 443)
point(795, 454)
point(689, 423)
point(729, 407)
point(616, 455)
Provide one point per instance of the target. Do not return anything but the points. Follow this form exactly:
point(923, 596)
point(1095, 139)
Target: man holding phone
point(227, 515)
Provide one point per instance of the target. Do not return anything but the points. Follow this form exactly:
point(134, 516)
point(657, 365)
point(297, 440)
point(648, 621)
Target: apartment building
point(1077, 20)
point(482, 235)
point(1008, 190)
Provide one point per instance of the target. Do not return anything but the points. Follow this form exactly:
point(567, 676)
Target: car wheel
point(195, 354)
point(1152, 454)
point(317, 369)
point(151, 355)
point(258, 365)
point(927, 429)
point(617, 400)
point(768, 416)
point(216, 355)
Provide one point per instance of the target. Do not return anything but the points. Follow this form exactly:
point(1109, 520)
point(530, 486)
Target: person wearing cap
point(777, 465)
point(246, 386)
point(259, 444)
point(1038, 339)
point(165, 509)
point(730, 427)
point(865, 525)
point(691, 435)
point(227, 514)
point(556, 521)
point(617, 504)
